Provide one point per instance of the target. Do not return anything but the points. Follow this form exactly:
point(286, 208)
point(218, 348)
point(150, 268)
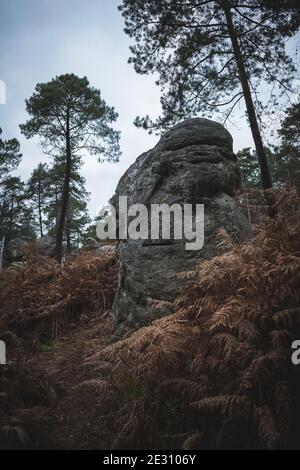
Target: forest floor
point(70, 420)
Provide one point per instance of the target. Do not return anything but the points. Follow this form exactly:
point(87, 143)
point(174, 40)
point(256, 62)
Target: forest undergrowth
point(216, 373)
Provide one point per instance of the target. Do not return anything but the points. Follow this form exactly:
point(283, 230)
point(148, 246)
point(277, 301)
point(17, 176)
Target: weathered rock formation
point(46, 246)
point(193, 163)
point(15, 250)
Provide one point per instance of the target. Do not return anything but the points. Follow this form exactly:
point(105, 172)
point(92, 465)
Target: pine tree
point(250, 172)
point(38, 193)
point(77, 213)
point(289, 148)
point(290, 127)
point(211, 54)
point(10, 155)
point(16, 218)
point(71, 119)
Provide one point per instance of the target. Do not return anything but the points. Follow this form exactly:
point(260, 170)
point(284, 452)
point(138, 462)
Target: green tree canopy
point(284, 158)
point(10, 155)
point(38, 194)
point(289, 147)
point(16, 218)
point(290, 127)
point(209, 55)
point(250, 174)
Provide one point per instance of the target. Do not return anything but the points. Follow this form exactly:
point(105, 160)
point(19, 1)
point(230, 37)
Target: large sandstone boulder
point(193, 163)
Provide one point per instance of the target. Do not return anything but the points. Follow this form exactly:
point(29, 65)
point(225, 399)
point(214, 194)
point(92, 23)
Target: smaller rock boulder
point(15, 250)
point(45, 246)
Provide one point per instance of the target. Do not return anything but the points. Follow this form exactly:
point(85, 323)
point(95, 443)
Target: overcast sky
point(40, 39)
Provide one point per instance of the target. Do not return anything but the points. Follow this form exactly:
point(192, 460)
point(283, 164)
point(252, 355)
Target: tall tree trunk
point(11, 219)
point(56, 207)
point(65, 196)
point(262, 158)
point(2, 210)
point(68, 235)
point(40, 210)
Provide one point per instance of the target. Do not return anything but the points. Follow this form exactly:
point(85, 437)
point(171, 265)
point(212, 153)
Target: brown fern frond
point(189, 389)
point(224, 241)
point(267, 432)
point(186, 275)
point(225, 315)
point(160, 305)
point(263, 369)
point(281, 339)
point(96, 387)
point(193, 441)
point(286, 318)
point(283, 404)
point(224, 405)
